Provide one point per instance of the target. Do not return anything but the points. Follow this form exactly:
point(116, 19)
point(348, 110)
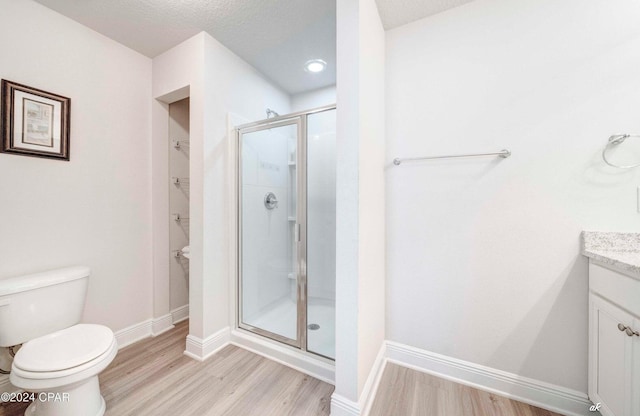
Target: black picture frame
point(34, 122)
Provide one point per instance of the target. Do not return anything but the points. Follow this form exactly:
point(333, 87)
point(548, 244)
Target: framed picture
point(34, 122)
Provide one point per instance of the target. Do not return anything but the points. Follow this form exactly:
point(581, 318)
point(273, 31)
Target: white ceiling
point(396, 13)
point(275, 36)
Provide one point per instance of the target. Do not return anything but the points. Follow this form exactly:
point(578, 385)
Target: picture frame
point(34, 122)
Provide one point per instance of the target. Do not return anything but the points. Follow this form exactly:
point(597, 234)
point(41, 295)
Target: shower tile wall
point(321, 229)
point(321, 205)
point(266, 244)
point(179, 202)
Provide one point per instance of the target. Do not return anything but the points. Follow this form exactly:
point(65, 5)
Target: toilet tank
point(38, 304)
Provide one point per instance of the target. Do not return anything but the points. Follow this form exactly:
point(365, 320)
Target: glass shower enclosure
point(286, 229)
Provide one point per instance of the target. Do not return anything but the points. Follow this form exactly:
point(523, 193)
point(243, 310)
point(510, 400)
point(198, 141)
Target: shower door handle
point(297, 233)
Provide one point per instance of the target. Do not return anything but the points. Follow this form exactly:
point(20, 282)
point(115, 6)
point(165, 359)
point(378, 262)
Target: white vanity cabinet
point(614, 340)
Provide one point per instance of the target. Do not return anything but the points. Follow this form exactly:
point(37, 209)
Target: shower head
point(271, 113)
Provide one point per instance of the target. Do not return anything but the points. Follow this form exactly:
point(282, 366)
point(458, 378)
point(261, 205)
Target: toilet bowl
point(62, 370)
point(60, 359)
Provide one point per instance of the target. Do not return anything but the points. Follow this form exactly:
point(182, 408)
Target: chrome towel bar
point(504, 153)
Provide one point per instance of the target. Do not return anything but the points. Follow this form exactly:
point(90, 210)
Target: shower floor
point(280, 318)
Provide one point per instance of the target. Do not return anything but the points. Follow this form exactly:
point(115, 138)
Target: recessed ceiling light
point(315, 65)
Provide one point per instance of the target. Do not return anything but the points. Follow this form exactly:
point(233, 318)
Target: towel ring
point(615, 140)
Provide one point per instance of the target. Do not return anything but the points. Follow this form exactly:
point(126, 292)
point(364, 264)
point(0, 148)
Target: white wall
point(177, 74)
point(95, 209)
point(360, 193)
point(231, 86)
point(347, 152)
point(218, 83)
point(313, 99)
point(483, 254)
point(371, 209)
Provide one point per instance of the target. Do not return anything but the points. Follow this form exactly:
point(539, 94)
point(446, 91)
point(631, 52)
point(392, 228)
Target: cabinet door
point(611, 358)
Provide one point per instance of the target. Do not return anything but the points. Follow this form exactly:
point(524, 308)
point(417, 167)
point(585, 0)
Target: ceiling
point(396, 13)
point(275, 36)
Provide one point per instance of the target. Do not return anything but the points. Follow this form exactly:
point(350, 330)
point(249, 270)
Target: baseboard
point(201, 349)
point(133, 333)
point(322, 369)
point(6, 386)
point(341, 406)
point(534, 392)
point(370, 388)
point(151, 327)
point(162, 324)
point(180, 314)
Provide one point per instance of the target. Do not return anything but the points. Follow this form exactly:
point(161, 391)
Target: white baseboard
point(322, 369)
point(201, 349)
point(162, 324)
point(133, 333)
point(370, 388)
point(180, 314)
point(341, 406)
point(534, 392)
point(151, 327)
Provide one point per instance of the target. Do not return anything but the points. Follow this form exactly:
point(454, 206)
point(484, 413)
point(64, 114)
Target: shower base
point(280, 318)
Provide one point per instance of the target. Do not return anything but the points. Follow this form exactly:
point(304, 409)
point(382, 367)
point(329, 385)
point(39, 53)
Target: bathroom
point(466, 269)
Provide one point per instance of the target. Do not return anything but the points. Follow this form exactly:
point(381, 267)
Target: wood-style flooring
point(154, 378)
point(407, 392)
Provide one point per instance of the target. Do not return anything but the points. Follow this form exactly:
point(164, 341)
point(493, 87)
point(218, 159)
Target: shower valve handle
point(270, 200)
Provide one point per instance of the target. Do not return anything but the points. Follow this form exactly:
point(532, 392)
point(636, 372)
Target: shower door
point(286, 229)
point(272, 273)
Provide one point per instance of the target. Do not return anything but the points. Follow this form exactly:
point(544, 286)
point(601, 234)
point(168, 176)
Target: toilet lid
point(64, 349)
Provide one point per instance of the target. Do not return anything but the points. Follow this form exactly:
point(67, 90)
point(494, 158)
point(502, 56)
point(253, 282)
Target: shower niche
point(286, 229)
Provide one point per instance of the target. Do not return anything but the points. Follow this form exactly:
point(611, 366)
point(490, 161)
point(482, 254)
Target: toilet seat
point(63, 357)
point(64, 349)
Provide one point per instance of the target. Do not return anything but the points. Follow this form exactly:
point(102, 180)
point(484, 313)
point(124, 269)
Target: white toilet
point(60, 359)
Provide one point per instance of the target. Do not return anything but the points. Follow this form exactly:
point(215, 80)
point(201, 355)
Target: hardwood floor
point(407, 392)
point(154, 378)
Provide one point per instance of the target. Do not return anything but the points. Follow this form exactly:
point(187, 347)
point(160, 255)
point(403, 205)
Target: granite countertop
point(621, 250)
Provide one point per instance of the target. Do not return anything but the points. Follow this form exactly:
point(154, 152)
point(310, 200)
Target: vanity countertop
point(620, 250)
